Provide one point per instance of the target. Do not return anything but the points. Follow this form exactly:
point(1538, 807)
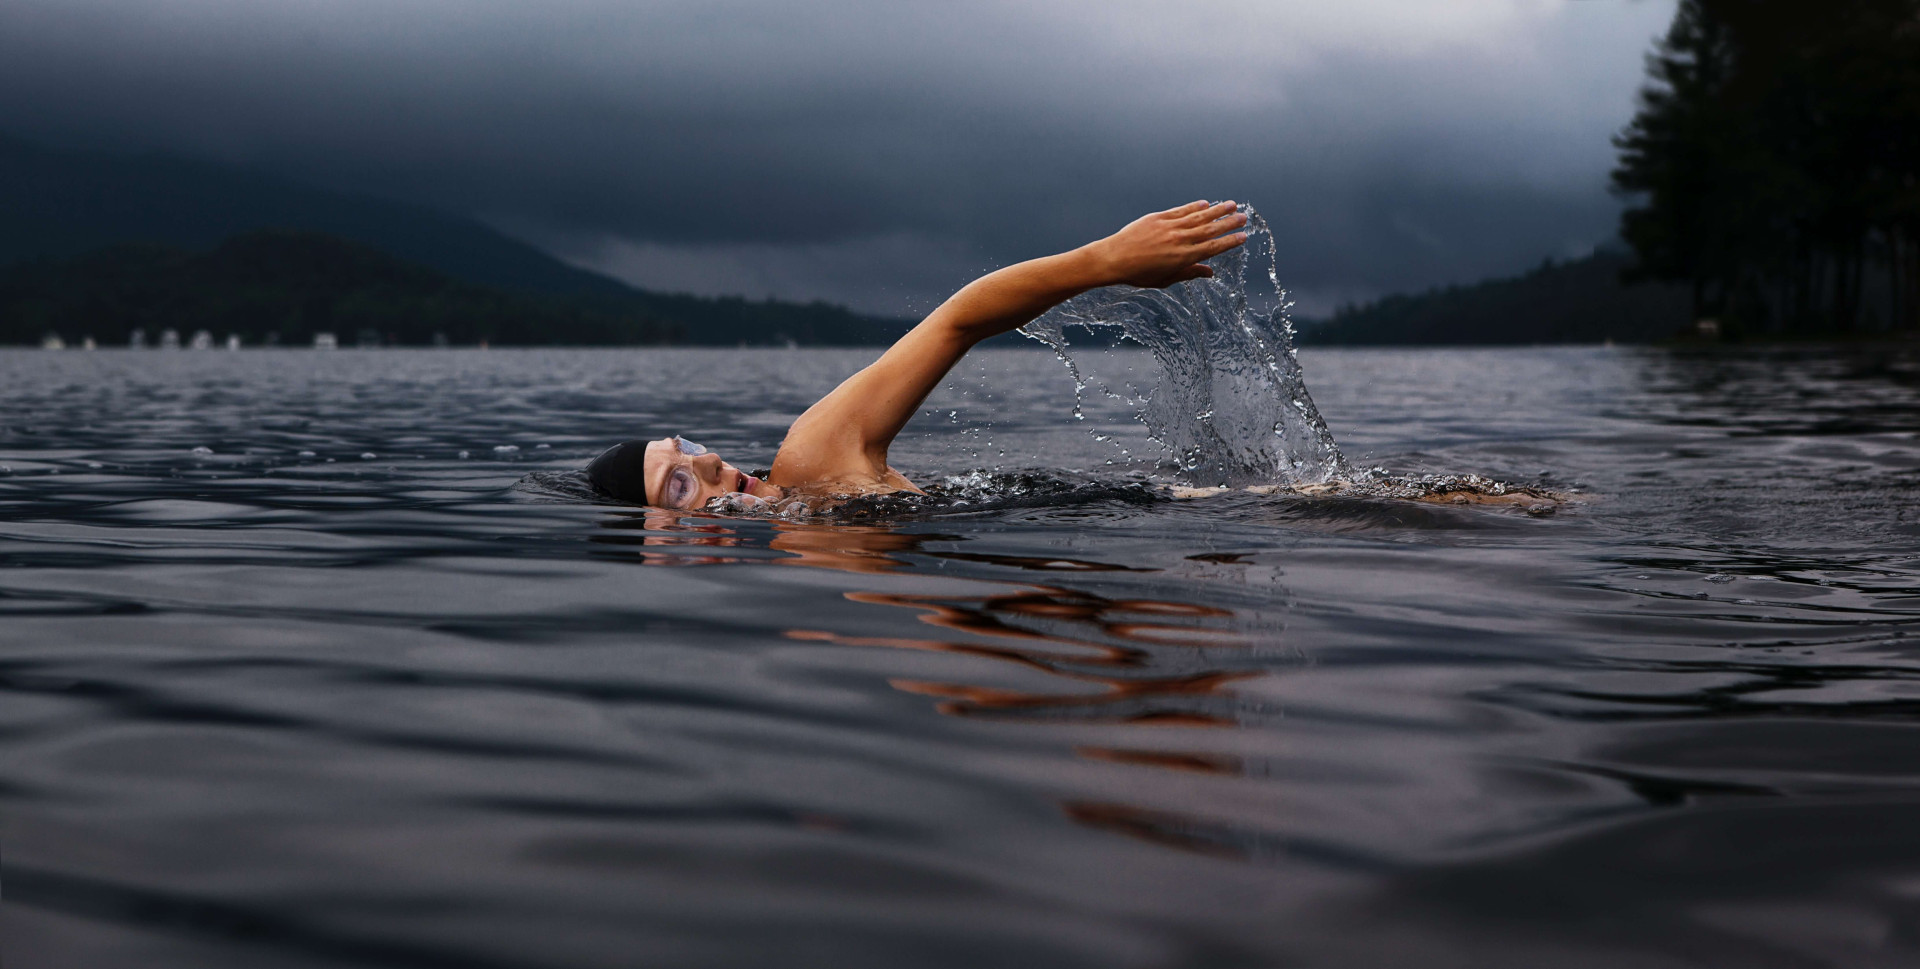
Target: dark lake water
point(357, 686)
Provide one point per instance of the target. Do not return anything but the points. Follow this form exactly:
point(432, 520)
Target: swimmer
point(839, 446)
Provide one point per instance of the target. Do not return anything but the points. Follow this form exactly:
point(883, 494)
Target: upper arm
point(850, 429)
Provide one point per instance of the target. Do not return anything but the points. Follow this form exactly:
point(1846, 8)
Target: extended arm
point(848, 431)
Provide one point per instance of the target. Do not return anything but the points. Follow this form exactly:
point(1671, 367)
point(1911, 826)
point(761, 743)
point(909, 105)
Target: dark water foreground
point(381, 705)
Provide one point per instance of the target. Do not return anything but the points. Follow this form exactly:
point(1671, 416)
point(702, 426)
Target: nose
point(708, 465)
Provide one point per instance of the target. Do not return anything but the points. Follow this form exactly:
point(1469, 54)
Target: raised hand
point(1169, 247)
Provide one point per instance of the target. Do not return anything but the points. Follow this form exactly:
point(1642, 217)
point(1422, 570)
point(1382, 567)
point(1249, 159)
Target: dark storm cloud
point(880, 152)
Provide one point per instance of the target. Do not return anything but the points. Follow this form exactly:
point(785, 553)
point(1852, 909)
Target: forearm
point(1154, 250)
point(1010, 298)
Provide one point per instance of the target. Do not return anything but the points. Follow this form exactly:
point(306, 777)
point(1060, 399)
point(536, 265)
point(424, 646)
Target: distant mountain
point(281, 287)
point(56, 205)
point(1581, 301)
point(61, 203)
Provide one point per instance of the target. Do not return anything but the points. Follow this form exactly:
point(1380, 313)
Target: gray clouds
point(880, 153)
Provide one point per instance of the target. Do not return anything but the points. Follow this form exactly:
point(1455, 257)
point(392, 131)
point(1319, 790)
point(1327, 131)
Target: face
point(682, 474)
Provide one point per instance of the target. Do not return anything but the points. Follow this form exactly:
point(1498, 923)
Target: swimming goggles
point(680, 486)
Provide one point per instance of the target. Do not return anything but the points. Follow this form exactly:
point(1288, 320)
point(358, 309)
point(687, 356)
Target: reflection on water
point(1116, 661)
point(268, 703)
point(1117, 668)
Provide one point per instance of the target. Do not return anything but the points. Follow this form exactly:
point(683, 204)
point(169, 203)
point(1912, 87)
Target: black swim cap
point(621, 472)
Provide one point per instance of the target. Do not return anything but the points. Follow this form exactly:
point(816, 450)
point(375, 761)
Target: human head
point(670, 473)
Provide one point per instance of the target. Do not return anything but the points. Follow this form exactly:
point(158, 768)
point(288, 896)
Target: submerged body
point(838, 447)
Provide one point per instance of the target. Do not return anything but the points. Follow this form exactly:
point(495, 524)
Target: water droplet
point(368, 455)
point(465, 455)
point(505, 448)
point(203, 451)
point(307, 454)
point(1719, 577)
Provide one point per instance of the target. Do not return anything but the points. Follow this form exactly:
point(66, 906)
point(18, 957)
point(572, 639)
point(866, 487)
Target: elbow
point(957, 332)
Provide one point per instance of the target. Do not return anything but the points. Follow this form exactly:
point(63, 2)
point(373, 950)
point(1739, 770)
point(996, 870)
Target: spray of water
point(1229, 403)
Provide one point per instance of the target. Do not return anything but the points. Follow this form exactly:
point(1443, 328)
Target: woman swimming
point(839, 446)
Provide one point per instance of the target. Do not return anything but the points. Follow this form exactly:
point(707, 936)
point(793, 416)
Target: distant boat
point(169, 339)
point(325, 341)
point(52, 341)
point(233, 341)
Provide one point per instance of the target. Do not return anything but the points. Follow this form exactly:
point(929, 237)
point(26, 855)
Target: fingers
point(1188, 209)
point(1208, 213)
point(1214, 247)
point(1210, 230)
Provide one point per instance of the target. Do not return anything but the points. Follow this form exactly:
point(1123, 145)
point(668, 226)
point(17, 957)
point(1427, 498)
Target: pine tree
point(1775, 157)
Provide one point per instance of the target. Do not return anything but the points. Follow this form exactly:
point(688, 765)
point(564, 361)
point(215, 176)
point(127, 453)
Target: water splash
point(965, 493)
point(1230, 402)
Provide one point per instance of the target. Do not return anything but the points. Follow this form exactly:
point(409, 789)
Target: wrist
point(1094, 265)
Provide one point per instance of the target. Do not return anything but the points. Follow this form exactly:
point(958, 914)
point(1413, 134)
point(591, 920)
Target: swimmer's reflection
point(669, 538)
point(1135, 661)
point(679, 538)
point(1114, 660)
point(1112, 654)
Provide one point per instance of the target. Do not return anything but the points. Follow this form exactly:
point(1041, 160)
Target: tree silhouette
point(1775, 158)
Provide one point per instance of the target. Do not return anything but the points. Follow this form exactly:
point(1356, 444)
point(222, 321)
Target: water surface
point(352, 687)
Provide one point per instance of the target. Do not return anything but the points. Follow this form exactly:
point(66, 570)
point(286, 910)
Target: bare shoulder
point(824, 453)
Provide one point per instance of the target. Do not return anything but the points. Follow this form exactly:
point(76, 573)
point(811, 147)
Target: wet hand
point(1169, 247)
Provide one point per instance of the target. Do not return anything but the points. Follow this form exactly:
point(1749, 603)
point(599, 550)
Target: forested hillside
point(283, 287)
point(95, 244)
point(1581, 301)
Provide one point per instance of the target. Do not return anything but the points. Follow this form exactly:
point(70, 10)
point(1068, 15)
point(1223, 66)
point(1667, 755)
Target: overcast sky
point(881, 152)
